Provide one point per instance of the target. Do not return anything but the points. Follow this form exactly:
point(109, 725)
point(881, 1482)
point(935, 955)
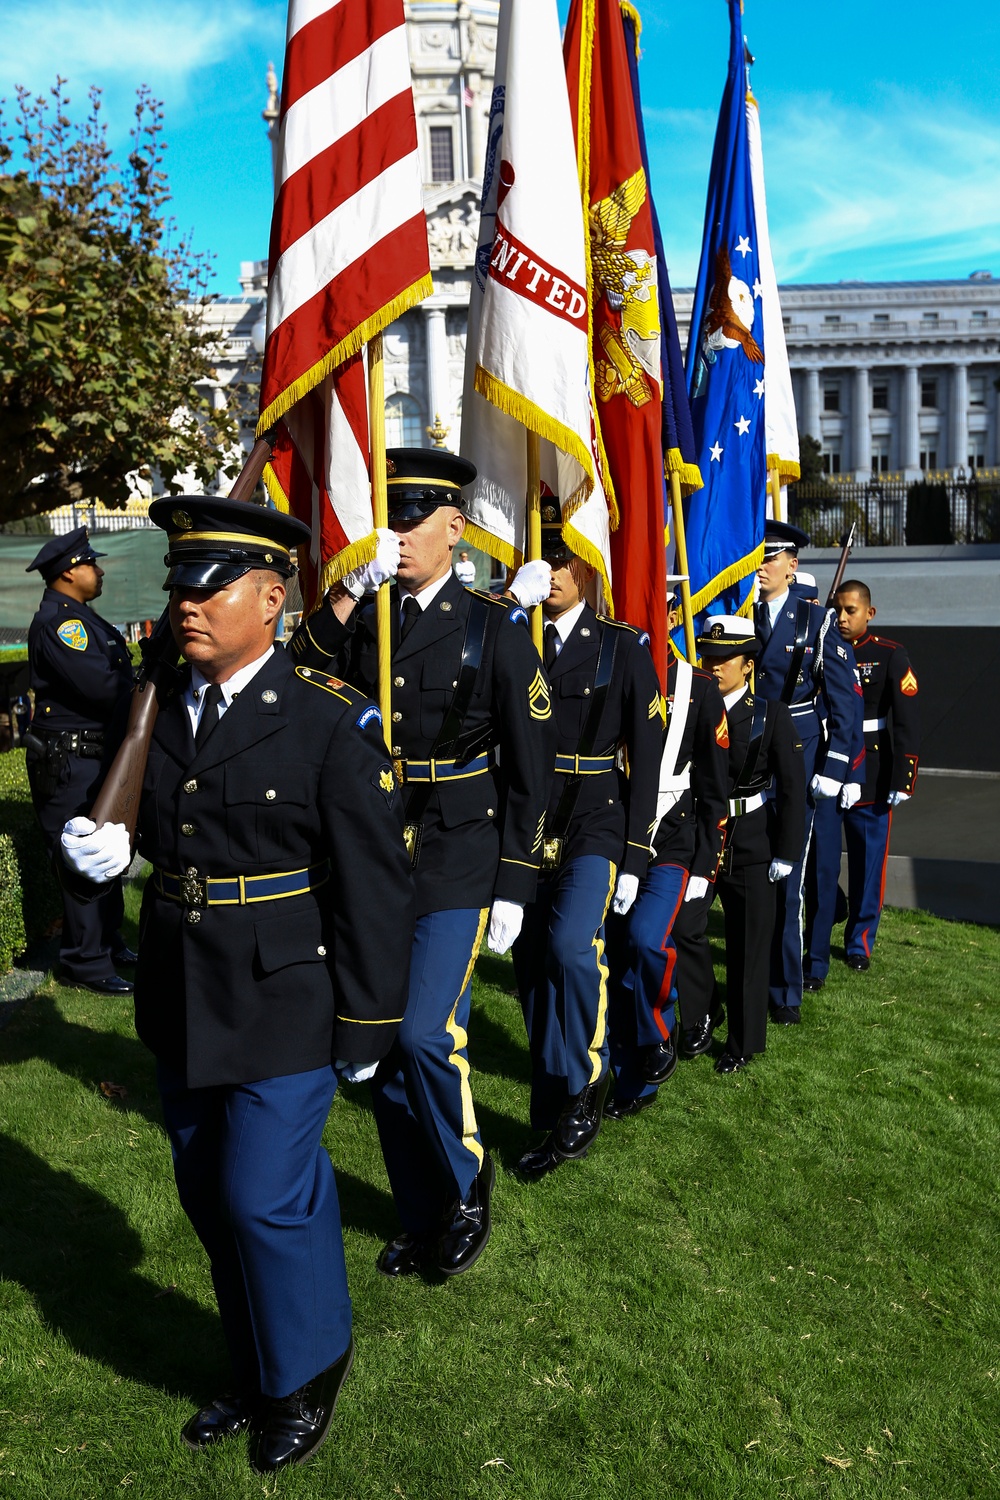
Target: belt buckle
point(194, 888)
point(399, 766)
point(552, 853)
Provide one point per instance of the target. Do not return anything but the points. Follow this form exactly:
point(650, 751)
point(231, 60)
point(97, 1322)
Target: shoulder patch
point(73, 633)
point(539, 701)
point(908, 683)
point(334, 685)
point(384, 781)
point(370, 713)
point(722, 732)
point(519, 615)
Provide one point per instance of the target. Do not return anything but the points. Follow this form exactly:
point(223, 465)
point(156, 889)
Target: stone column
point(861, 438)
point(958, 398)
point(811, 421)
point(909, 448)
point(438, 400)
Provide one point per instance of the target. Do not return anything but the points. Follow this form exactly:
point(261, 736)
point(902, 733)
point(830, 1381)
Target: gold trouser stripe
point(459, 1059)
point(594, 1050)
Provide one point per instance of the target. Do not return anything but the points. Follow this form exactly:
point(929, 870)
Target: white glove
point(697, 887)
point(850, 793)
point(532, 583)
point(896, 799)
point(823, 787)
point(355, 1072)
point(505, 924)
point(96, 853)
point(778, 869)
point(625, 893)
point(383, 566)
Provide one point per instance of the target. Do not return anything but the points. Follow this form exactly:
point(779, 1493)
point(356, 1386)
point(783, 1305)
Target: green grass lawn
point(778, 1283)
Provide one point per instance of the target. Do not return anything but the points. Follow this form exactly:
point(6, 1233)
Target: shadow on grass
point(76, 1254)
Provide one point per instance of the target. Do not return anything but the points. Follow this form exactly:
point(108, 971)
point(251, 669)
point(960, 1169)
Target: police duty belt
point(577, 766)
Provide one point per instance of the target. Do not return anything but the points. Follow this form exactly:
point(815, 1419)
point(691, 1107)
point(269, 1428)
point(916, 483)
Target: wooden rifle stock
point(846, 543)
point(118, 799)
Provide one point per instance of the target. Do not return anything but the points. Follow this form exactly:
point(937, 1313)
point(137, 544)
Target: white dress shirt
point(194, 696)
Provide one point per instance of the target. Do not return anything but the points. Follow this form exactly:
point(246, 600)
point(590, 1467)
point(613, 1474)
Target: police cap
point(212, 542)
point(62, 552)
point(728, 635)
point(418, 480)
point(780, 536)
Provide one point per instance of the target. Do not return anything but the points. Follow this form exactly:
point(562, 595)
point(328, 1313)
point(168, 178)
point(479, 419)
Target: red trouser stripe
point(670, 959)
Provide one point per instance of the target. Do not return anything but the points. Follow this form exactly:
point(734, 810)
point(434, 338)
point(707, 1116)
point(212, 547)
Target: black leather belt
point(87, 743)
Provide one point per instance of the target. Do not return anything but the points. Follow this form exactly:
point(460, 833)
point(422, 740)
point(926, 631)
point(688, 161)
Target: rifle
point(846, 543)
point(118, 799)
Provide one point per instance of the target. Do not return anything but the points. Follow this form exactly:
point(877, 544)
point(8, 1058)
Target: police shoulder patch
point(539, 701)
point(73, 633)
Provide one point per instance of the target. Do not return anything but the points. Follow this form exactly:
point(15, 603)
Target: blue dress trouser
point(866, 832)
point(822, 882)
point(256, 1183)
point(644, 995)
point(562, 978)
point(421, 1096)
point(785, 988)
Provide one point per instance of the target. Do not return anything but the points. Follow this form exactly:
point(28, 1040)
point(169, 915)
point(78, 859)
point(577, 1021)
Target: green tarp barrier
point(133, 577)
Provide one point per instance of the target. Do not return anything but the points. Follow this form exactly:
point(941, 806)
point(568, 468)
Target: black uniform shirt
point(889, 686)
point(691, 834)
point(81, 673)
point(776, 830)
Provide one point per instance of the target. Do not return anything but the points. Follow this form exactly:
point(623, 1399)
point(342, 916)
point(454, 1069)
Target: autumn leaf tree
point(106, 366)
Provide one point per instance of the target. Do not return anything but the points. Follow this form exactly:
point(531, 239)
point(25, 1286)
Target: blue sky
point(880, 122)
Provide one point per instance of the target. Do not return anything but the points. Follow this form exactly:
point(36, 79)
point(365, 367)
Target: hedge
point(26, 879)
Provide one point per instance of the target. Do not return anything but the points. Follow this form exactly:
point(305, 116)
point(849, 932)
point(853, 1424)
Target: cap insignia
point(717, 632)
point(390, 466)
point(549, 513)
point(181, 520)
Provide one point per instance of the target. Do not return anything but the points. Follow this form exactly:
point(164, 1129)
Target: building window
point(442, 153)
point(928, 393)
point(880, 317)
point(404, 424)
point(930, 317)
point(928, 459)
point(831, 462)
point(880, 455)
point(880, 396)
point(832, 318)
point(831, 397)
point(977, 460)
point(977, 390)
point(979, 315)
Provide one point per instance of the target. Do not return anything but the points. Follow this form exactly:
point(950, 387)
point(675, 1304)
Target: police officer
point(686, 840)
point(763, 840)
point(81, 676)
point(606, 702)
point(472, 737)
point(276, 927)
point(803, 663)
point(891, 742)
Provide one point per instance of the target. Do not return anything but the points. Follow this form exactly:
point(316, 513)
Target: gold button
point(586, 692)
point(399, 682)
point(187, 829)
point(321, 950)
point(396, 716)
point(190, 786)
point(270, 794)
point(397, 749)
point(193, 917)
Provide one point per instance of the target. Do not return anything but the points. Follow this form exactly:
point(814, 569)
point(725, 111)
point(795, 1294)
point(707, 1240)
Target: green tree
point(102, 343)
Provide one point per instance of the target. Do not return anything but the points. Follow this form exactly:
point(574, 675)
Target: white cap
point(801, 576)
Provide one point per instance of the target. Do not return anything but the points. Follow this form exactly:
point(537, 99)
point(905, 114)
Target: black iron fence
point(893, 512)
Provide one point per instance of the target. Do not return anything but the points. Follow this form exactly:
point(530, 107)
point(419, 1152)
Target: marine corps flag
point(348, 254)
point(527, 356)
point(725, 368)
point(626, 322)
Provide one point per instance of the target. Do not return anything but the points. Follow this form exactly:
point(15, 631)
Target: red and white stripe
point(348, 254)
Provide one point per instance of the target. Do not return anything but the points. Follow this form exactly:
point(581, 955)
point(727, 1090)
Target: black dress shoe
point(577, 1126)
point(660, 1060)
point(786, 1015)
point(290, 1428)
point(728, 1063)
point(113, 985)
point(125, 958)
point(541, 1160)
point(467, 1224)
point(859, 962)
point(624, 1109)
point(227, 1416)
point(696, 1039)
point(812, 982)
point(406, 1255)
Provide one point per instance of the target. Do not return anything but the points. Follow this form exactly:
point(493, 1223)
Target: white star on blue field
point(880, 127)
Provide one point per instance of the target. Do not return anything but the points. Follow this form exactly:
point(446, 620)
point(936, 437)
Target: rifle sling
point(798, 650)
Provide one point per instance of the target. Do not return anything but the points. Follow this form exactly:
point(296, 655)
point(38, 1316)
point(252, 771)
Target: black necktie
point(763, 621)
point(551, 647)
point(211, 698)
point(411, 614)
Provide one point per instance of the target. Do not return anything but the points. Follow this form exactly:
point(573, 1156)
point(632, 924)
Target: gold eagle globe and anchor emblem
point(629, 284)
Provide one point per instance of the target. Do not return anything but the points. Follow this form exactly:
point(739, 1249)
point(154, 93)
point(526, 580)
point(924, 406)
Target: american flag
point(348, 254)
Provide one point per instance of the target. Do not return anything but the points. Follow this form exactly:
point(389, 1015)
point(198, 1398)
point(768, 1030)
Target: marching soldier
point(276, 928)
point(606, 702)
point(686, 841)
point(472, 740)
point(803, 663)
point(81, 675)
point(763, 840)
point(891, 744)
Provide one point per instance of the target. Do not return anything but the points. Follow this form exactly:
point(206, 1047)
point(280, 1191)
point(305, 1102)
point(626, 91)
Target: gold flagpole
point(774, 485)
point(380, 517)
point(534, 523)
point(680, 542)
